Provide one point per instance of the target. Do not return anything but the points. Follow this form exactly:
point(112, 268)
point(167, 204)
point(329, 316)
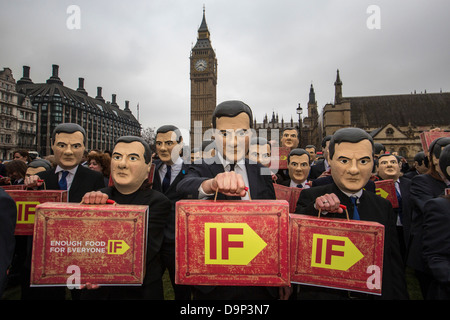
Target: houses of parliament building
point(30, 111)
point(395, 121)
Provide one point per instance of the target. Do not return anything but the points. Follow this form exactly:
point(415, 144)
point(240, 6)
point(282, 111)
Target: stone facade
point(395, 121)
point(17, 118)
point(55, 103)
point(203, 76)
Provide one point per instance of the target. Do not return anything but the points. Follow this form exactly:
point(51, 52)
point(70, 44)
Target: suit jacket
point(317, 169)
point(173, 196)
point(371, 208)
point(436, 246)
point(261, 187)
point(405, 186)
point(8, 217)
point(423, 188)
point(370, 185)
point(85, 180)
point(410, 174)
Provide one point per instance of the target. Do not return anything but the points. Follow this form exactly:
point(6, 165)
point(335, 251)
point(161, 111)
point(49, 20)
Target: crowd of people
point(237, 165)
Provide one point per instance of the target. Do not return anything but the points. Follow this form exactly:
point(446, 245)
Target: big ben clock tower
point(203, 74)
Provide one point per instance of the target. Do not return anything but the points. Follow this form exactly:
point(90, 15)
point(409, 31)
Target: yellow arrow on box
point(231, 243)
point(334, 252)
point(117, 247)
point(381, 192)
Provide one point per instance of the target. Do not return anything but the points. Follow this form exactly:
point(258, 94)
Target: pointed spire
point(312, 95)
point(203, 31)
point(338, 79)
point(337, 89)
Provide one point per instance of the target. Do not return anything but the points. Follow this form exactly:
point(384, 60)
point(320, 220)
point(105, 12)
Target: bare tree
point(149, 135)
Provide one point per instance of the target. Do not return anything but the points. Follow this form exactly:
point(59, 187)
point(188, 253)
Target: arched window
point(389, 132)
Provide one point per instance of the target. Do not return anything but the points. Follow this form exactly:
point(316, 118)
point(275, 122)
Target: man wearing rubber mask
point(68, 145)
point(232, 123)
point(351, 162)
point(229, 173)
point(130, 165)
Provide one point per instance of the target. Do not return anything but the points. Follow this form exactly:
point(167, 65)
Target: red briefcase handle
point(340, 206)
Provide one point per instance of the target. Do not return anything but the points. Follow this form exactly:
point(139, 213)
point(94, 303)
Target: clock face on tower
point(200, 65)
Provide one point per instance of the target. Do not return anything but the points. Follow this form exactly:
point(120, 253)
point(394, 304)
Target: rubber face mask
point(232, 136)
point(128, 167)
point(167, 147)
point(388, 168)
point(289, 139)
point(259, 153)
point(299, 168)
point(68, 149)
point(351, 165)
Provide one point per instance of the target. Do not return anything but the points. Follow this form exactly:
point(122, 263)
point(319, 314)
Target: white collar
point(356, 194)
point(72, 171)
point(240, 163)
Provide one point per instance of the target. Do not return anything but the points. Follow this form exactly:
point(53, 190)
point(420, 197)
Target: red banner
point(26, 202)
point(232, 242)
point(281, 162)
point(337, 253)
point(100, 244)
point(386, 189)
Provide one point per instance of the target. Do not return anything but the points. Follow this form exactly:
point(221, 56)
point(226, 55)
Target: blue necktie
point(299, 186)
point(63, 182)
point(166, 181)
point(355, 208)
point(399, 209)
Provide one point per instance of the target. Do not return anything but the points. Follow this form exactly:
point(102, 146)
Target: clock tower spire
point(203, 76)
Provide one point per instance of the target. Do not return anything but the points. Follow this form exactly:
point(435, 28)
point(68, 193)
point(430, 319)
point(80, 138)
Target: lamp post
point(299, 112)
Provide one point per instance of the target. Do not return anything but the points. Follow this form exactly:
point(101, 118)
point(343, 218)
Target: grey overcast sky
point(269, 52)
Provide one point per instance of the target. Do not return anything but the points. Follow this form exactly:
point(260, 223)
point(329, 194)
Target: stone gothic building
point(54, 103)
point(396, 121)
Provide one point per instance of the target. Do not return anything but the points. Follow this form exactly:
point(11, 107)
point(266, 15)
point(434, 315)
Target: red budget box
point(104, 244)
point(13, 187)
point(26, 202)
point(234, 242)
point(427, 137)
point(386, 189)
point(337, 253)
point(289, 194)
point(280, 162)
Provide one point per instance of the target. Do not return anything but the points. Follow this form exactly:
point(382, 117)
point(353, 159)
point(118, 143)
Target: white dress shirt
point(238, 168)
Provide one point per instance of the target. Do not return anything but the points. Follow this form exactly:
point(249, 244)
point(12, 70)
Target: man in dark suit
point(436, 238)
point(228, 174)
point(68, 145)
point(298, 167)
point(321, 165)
point(8, 217)
point(169, 171)
point(424, 187)
point(351, 161)
point(420, 165)
point(130, 166)
point(389, 167)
